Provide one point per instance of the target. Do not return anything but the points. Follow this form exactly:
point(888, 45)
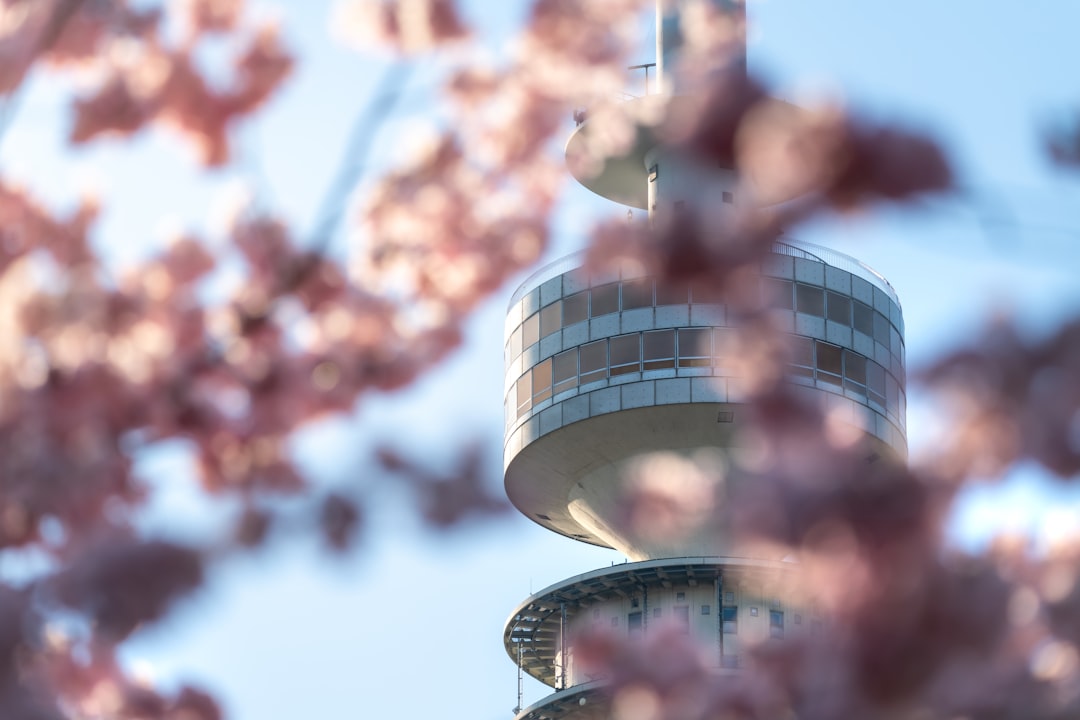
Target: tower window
point(863, 318)
point(551, 319)
point(695, 347)
point(776, 624)
point(810, 300)
point(706, 609)
point(730, 617)
point(838, 307)
point(593, 361)
point(565, 368)
point(575, 308)
point(829, 362)
point(605, 299)
point(637, 293)
point(729, 198)
point(625, 354)
point(659, 349)
point(530, 330)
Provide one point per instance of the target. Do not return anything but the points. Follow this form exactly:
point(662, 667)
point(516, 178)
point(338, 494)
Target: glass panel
point(777, 293)
point(551, 318)
point(524, 393)
point(875, 381)
point(668, 293)
point(855, 367)
point(695, 347)
point(776, 624)
point(625, 354)
point(541, 375)
point(633, 624)
point(575, 308)
point(839, 308)
point(637, 293)
point(605, 299)
point(855, 372)
point(530, 331)
point(565, 369)
point(593, 361)
point(881, 329)
point(829, 362)
point(515, 342)
point(863, 317)
point(659, 349)
point(802, 356)
point(731, 615)
point(892, 394)
point(810, 300)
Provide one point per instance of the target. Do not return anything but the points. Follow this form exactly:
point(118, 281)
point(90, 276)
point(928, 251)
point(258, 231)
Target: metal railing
point(792, 248)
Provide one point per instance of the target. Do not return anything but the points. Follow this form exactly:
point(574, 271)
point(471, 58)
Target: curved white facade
point(600, 371)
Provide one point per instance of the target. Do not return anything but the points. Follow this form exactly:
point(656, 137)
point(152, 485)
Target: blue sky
point(411, 625)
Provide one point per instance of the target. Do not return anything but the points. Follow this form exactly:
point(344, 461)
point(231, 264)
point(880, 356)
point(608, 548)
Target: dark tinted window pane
point(855, 367)
point(881, 329)
point(695, 347)
point(637, 293)
point(776, 624)
point(777, 293)
point(575, 308)
point(633, 623)
point(625, 354)
point(530, 331)
point(593, 361)
point(672, 293)
point(551, 318)
point(802, 357)
point(605, 299)
point(829, 358)
point(810, 300)
point(659, 349)
point(542, 381)
point(802, 351)
point(863, 318)
point(839, 308)
point(565, 368)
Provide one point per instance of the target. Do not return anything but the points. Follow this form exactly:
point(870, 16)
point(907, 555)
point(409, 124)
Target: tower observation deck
point(601, 371)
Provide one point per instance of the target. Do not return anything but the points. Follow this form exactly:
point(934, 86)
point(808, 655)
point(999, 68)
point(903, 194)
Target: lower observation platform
point(715, 597)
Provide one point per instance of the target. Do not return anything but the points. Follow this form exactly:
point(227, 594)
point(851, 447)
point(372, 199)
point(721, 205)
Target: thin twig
point(366, 128)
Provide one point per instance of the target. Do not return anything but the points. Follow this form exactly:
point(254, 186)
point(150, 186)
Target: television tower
point(602, 372)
